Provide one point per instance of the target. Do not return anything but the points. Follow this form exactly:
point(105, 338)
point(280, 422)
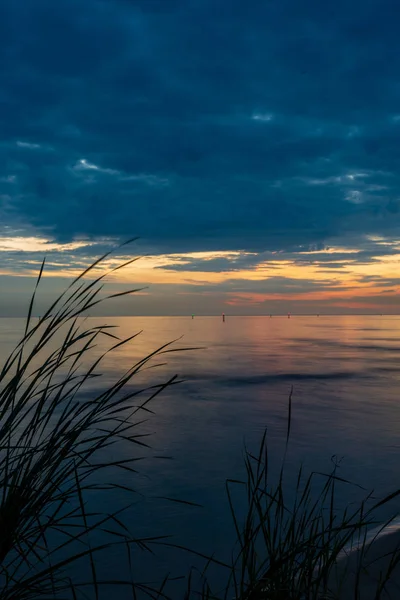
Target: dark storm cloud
point(316, 255)
point(380, 281)
point(216, 265)
point(270, 285)
point(207, 125)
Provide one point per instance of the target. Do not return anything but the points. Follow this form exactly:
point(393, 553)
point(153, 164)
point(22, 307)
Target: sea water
point(345, 376)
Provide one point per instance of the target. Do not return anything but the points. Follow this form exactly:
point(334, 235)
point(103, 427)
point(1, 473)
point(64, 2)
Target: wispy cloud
point(84, 165)
point(151, 180)
point(264, 117)
point(28, 145)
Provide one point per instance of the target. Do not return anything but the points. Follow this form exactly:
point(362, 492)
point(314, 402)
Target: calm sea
point(346, 382)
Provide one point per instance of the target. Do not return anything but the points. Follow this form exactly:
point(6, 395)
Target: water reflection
point(344, 371)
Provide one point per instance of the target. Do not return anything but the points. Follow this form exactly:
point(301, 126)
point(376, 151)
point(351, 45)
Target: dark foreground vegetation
point(54, 444)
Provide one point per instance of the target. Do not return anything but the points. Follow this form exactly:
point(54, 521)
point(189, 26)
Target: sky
point(253, 147)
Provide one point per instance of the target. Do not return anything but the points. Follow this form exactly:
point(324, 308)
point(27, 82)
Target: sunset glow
point(250, 281)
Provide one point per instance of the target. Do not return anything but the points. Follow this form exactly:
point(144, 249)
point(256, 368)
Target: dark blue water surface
point(346, 382)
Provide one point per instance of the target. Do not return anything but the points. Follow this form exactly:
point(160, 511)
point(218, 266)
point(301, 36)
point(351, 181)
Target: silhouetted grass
point(54, 439)
point(292, 544)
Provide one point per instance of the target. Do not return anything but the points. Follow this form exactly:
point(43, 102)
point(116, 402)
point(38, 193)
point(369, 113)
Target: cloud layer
point(205, 126)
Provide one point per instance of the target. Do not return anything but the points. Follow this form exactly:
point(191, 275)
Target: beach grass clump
point(56, 437)
point(295, 544)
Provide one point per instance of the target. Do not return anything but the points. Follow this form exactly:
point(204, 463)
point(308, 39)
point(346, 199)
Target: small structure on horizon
point(223, 317)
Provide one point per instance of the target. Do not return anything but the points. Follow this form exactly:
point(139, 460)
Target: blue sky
point(253, 147)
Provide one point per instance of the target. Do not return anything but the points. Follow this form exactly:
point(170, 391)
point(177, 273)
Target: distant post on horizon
point(223, 317)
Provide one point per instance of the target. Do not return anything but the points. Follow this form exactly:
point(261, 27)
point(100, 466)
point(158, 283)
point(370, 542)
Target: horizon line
point(214, 315)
